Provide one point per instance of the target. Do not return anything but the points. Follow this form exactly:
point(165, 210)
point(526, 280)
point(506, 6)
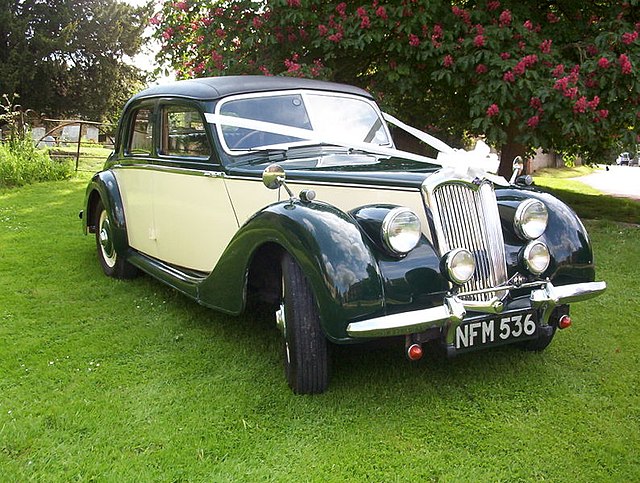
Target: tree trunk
point(510, 150)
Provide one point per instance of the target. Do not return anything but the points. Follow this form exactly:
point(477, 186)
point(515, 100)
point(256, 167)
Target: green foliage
point(102, 380)
point(65, 58)
point(22, 163)
point(556, 75)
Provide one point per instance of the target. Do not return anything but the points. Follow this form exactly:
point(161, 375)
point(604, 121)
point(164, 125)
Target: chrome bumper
point(453, 310)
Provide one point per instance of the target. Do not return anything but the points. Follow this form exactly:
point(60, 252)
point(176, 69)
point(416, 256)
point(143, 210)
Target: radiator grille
point(466, 216)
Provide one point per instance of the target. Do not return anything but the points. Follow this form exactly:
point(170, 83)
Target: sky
point(146, 59)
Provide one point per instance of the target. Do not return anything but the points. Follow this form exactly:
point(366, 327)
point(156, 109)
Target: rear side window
point(183, 133)
point(141, 138)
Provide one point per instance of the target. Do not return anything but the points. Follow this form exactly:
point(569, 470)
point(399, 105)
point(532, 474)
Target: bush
point(22, 163)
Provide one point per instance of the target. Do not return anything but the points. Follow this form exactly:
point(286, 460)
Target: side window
point(141, 138)
point(183, 133)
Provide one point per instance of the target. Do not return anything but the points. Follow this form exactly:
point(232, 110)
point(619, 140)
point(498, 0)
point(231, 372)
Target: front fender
point(331, 250)
point(104, 186)
point(571, 252)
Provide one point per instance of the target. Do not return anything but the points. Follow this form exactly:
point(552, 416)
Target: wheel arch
point(330, 248)
point(104, 187)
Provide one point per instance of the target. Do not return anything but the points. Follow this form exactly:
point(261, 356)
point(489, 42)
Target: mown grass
point(129, 381)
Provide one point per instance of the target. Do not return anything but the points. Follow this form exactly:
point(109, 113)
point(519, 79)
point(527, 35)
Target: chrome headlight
point(459, 265)
point(531, 219)
point(536, 257)
point(401, 230)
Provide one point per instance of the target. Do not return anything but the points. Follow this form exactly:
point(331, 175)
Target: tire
point(306, 356)
point(112, 263)
point(543, 340)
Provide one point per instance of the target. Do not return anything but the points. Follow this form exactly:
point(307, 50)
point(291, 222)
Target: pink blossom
point(629, 37)
point(447, 61)
point(528, 25)
point(437, 32)
point(293, 3)
point(257, 22)
point(463, 14)
point(625, 64)
point(493, 110)
point(545, 46)
point(494, 5)
point(478, 41)
point(154, 20)
point(530, 60)
point(414, 40)
point(558, 71)
point(519, 68)
point(509, 76)
point(594, 103)
point(382, 13)
point(361, 11)
point(580, 106)
point(603, 63)
point(221, 33)
point(505, 55)
point(341, 8)
point(167, 34)
point(571, 93)
point(535, 103)
point(561, 84)
point(552, 18)
point(264, 70)
point(337, 37)
point(365, 23)
point(505, 18)
point(481, 69)
point(533, 121)
point(291, 65)
point(592, 50)
point(181, 5)
point(322, 30)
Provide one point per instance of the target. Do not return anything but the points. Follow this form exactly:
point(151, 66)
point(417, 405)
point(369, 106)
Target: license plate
point(494, 331)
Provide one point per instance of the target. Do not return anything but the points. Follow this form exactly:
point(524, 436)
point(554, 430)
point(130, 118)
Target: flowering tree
point(559, 74)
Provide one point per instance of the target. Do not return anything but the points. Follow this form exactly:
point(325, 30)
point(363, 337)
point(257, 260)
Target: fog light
point(459, 265)
point(536, 257)
point(564, 322)
point(414, 352)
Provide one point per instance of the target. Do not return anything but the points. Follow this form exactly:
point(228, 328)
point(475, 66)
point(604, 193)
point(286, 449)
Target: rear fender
point(331, 250)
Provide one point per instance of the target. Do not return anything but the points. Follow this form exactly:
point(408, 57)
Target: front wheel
point(305, 346)
point(113, 265)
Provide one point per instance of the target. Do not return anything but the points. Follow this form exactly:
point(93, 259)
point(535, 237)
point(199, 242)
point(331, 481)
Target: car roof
point(212, 88)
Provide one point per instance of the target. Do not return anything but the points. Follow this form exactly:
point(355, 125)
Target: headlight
point(459, 265)
point(531, 219)
point(401, 230)
point(536, 257)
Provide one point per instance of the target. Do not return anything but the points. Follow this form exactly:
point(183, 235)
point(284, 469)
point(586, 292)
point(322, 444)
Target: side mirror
point(518, 166)
point(273, 176)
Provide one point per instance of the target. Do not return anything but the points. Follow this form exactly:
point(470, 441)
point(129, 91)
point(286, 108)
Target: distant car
point(292, 190)
point(624, 159)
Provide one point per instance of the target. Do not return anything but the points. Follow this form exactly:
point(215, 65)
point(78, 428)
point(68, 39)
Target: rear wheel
point(305, 346)
point(113, 265)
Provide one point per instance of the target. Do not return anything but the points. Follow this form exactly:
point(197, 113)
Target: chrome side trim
point(453, 311)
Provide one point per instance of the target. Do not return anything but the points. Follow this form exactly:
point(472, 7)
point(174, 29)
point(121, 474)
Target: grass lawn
point(129, 381)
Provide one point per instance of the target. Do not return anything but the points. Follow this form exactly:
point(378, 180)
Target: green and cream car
point(292, 191)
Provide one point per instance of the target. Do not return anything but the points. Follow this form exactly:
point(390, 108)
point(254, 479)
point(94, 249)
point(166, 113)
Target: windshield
point(325, 115)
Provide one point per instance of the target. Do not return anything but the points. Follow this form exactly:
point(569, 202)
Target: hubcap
point(106, 244)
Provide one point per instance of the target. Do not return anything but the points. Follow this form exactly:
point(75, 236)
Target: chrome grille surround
point(465, 215)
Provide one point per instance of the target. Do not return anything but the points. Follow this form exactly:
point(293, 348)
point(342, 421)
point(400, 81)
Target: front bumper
point(454, 310)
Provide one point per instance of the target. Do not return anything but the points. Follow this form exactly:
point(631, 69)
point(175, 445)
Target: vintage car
point(292, 191)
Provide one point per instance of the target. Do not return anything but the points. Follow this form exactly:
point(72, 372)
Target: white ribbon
point(465, 164)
